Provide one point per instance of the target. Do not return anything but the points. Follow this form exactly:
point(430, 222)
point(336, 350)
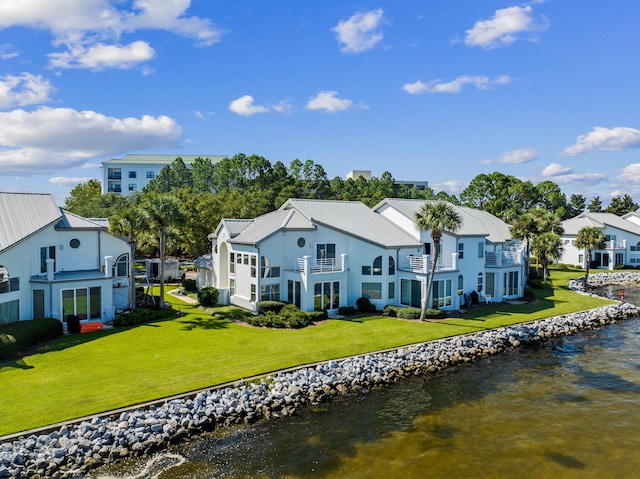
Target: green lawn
point(81, 375)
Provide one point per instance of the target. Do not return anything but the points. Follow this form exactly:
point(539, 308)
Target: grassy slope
point(85, 374)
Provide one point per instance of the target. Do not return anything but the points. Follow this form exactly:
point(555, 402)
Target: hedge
point(190, 285)
point(18, 336)
point(275, 306)
point(208, 296)
point(135, 317)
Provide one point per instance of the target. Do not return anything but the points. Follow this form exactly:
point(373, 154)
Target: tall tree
point(621, 205)
point(595, 206)
point(203, 174)
point(130, 222)
point(590, 238)
point(164, 212)
point(547, 246)
point(577, 204)
point(436, 217)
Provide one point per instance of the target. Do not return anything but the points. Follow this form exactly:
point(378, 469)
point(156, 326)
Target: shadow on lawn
point(200, 322)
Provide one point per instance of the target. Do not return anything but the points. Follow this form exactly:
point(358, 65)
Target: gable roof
point(69, 220)
point(355, 219)
point(24, 214)
point(474, 222)
point(599, 220)
point(262, 227)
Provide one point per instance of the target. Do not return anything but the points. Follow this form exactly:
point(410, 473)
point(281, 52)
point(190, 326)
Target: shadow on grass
point(203, 322)
point(18, 364)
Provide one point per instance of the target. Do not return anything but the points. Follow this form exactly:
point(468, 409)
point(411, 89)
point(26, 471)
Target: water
point(568, 408)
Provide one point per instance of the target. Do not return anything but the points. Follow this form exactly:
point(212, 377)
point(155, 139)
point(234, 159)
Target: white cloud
point(454, 86)
point(54, 139)
point(328, 101)
point(67, 180)
point(8, 51)
point(556, 169)
point(360, 32)
point(582, 178)
point(504, 27)
point(86, 29)
point(452, 186)
point(244, 106)
point(630, 174)
point(24, 89)
point(285, 107)
point(100, 56)
point(515, 157)
point(609, 139)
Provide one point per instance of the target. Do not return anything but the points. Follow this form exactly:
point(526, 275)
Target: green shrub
point(208, 296)
point(275, 306)
point(293, 317)
point(135, 317)
point(435, 314)
point(408, 313)
point(363, 304)
point(190, 285)
point(390, 310)
point(315, 316)
point(346, 310)
point(18, 336)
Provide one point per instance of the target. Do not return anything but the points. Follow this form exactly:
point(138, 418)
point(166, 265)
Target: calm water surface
point(568, 408)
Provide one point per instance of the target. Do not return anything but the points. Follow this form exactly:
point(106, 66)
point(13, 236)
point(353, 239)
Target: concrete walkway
point(176, 293)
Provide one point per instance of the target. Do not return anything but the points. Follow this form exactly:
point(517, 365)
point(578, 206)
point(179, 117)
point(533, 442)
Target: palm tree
point(438, 217)
point(164, 212)
point(547, 246)
point(130, 222)
point(589, 238)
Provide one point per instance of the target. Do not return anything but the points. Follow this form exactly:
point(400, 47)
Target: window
point(10, 312)
point(366, 270)
point(441, 293)
point(7, 284)
point(479, 282)
point(301, 242)
point(245, 258)
point(460, 250)
point(510, 287)
point(151, 174)
point(47, 252)
point(580, 258)
point(377, 266)
point(269, 292)
point(232, 263)
point(326, 295)
point(460, 284)
point(38, 303)
point(74, 243)
point(232, 287)
point(481, 250)
point(293, 292)
point(391, 293)
point(253, 293)
point(133, 187)
point(372, 290)
point(133, 174)
point(253, 265)
point(636, 247)
point(490, 289)
point(82, 302)
point(411, 292)
point(268, 271)
point(325, 250)
point(121, 266)
point(427, 248)
point(392, 266)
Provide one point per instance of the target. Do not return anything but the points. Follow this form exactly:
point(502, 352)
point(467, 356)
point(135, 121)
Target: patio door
point(326, 295)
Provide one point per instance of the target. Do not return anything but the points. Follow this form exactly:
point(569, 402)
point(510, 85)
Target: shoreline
point(82, 445)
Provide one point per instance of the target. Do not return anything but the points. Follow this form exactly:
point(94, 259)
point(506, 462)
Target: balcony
point(422, 264)
point(503, 258)
point(115, 188)
point(115, 175)
point(319, 265)
point(613, 244)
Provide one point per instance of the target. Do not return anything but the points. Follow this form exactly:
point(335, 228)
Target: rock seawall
point(71, 450)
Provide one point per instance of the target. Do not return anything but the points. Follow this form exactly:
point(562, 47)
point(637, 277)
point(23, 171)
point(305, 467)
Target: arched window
point(392, 266)
point(121, 265)
point(460, 284)
point(377, 266)
point(479, 282)
point(267, 270)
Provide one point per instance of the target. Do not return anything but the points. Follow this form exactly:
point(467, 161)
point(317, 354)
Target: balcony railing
point(318, 265)
point(115, 189)
point(422, 264)
point(115, 176)
point(613, 244)
point(503, 258)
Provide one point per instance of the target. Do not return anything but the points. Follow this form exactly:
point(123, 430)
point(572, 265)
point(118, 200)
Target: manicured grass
point(81, 375)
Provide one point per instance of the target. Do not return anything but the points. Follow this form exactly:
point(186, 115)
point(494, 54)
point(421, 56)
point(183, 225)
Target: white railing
point(319, 265)
point(422, 264)
point(613, 244)
point(503, 258)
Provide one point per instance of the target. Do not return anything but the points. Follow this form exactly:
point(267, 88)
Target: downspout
point(258, 277)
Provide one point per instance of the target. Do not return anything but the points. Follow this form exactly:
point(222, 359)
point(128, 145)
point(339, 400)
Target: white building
point(326, 254)
point(55, 264)
point(622, 240)
point(134, 172)
point(366, 174)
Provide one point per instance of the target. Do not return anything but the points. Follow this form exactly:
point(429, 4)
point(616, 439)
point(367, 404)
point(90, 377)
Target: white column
point(50, 271)
point(108, 261)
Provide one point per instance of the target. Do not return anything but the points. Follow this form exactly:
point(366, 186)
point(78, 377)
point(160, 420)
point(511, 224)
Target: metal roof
point(599, 220)
point(353, 218)
point(264, 226)
point(24, 214)
point(69, 220)
point(160, 159)
point(474, 222)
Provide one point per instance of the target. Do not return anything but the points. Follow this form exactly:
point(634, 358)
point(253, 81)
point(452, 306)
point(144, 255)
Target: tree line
point(248, 186)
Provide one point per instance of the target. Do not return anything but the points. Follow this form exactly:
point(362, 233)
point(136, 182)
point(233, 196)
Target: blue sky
point(434, 90)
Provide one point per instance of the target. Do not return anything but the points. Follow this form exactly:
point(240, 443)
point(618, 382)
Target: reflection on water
point(567, 408)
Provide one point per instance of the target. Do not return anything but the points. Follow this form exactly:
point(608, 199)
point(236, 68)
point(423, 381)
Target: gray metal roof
point(24, 214)
point(69, 220)
point(353, 218)
point(599, 220)
point(474, 222)
point(264, 226)
point(161, 159)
